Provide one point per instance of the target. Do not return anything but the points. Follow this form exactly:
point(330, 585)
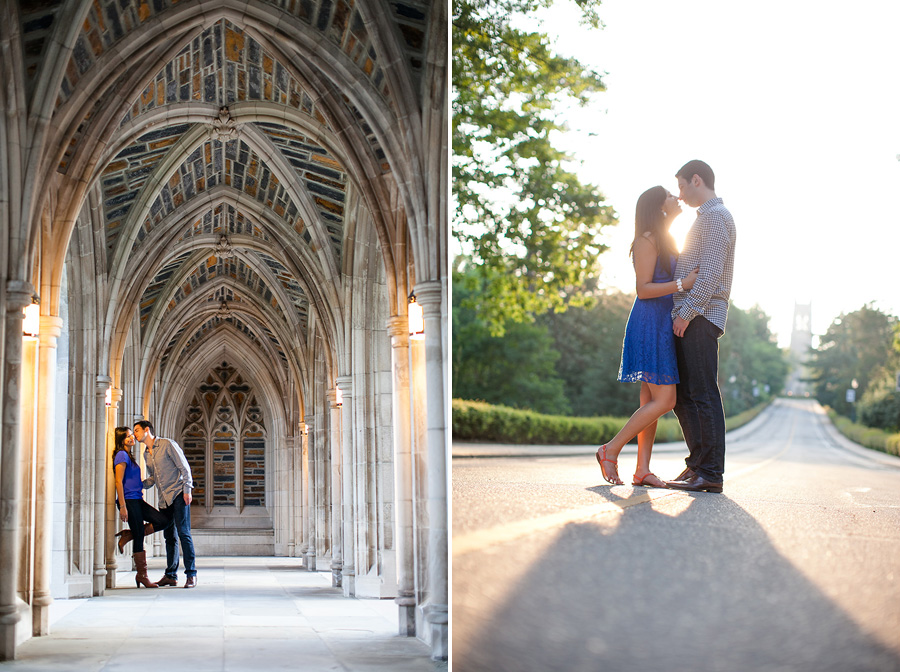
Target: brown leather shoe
point(167, 581)
point(684, 475)
point(696, 483)
point(191, 582)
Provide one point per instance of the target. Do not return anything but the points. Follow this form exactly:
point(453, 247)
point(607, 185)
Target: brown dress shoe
point(167, 581)
point(191, 582)
point(684, 475)
point(696, 483)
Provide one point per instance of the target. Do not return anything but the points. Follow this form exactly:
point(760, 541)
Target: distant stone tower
point(801, 342)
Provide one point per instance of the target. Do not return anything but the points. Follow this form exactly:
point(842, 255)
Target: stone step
point(233, 541)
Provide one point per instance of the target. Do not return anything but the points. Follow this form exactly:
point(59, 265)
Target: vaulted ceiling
point(224, 159)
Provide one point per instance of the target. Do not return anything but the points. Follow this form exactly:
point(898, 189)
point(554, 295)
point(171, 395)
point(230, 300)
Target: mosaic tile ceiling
point(183, 182)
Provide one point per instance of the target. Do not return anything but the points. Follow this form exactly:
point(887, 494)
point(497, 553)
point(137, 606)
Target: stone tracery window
point(224, 439)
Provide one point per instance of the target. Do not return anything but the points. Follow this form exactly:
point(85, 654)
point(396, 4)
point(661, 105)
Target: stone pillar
point(310, 450)
point(100, 532)
point(334, 440)
point(51, 327)
point(28, 390)
point(398, 327)
point(430, 295)
point(300, 491)
point(295, 510)
point(18, 295)
point(112, 415)
point(348, 570)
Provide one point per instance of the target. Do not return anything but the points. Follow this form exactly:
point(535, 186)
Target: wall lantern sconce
point(416, 319)
point(31, 325)
point(339, 397)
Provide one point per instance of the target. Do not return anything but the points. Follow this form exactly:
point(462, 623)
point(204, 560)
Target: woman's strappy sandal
point(601, 458)
point(643, 481)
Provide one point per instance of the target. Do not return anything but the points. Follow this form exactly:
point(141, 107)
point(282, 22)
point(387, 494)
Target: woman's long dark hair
point(119, 436)
point(649, 217)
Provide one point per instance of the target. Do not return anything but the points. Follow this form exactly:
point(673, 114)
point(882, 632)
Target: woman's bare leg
point(645, 437)
point(661, 401)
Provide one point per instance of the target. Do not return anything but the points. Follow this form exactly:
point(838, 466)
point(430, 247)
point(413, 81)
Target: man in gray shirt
point(699, 317)
point(170, 472)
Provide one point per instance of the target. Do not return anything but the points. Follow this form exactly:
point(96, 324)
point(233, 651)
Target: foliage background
point(567, 363)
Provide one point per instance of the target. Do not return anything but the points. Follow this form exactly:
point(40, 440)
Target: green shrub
point(881, 409)
point(480, 421)
point(869, 437)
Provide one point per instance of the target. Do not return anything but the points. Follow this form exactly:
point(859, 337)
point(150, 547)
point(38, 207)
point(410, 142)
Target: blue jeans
point(698, 405)
point(181, 514)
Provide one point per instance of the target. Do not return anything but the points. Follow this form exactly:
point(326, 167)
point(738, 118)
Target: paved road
point(795, 567)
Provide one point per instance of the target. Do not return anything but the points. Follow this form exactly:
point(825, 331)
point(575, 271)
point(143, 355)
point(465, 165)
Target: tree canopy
point(856, 347)
point(523, 217)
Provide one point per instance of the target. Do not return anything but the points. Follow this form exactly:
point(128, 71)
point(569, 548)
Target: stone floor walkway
point(257, 614)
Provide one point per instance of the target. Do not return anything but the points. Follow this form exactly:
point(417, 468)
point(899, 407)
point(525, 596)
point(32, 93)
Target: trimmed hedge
point(480, 421)
point(877, 439)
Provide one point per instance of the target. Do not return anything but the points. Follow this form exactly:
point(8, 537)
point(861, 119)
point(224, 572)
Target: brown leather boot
point(140, 561)
point(167, 581)
point(124, 537)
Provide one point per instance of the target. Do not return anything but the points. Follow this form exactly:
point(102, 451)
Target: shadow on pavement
point(704, 590)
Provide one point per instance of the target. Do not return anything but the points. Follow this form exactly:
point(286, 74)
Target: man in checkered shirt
point(699, 317)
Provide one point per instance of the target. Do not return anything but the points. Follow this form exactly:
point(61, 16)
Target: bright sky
point(796, 106)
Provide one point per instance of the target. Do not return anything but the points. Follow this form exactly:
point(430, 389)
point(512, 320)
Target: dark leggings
point(140, 512)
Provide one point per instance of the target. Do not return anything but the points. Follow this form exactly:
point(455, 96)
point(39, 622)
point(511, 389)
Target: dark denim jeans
point(140, 512)
point(698, 406)
point(181, 514)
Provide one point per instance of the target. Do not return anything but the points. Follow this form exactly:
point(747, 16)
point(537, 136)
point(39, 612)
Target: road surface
point(795, 567)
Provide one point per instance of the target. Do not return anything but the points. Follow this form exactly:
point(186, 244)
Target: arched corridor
point(228, 216)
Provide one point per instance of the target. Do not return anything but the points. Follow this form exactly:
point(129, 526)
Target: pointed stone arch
point(350, 130)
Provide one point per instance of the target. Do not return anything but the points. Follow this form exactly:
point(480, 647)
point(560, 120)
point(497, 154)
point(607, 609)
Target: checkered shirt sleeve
point(710, 246)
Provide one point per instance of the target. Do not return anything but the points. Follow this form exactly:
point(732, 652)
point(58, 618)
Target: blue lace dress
point(648, 353)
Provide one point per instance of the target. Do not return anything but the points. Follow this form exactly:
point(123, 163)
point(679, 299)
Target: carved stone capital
point(50, 329)
point(429, 295)
point(346, 385)
point(18, 295)
point(398, 328)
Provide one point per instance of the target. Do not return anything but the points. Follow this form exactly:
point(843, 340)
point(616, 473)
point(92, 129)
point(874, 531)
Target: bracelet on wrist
point(679, 285)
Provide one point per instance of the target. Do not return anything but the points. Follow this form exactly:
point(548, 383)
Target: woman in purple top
point(132, 507)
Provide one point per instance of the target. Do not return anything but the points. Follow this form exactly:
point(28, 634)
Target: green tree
point(752, 368)
point(589, 340)
point(516, 369)
point(855, 347)
point(880, 404)
point(526, 219)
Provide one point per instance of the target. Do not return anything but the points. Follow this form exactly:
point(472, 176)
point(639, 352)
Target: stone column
point(299, 485)
point(348, 571)
point(334, 440)
point(429, 295)
point(18, 295)
point(100, 532)
point(310, 448)
point(51, 326)
point(28, 390)
point(293, 513)
point(398, 327)
point(112, 415)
